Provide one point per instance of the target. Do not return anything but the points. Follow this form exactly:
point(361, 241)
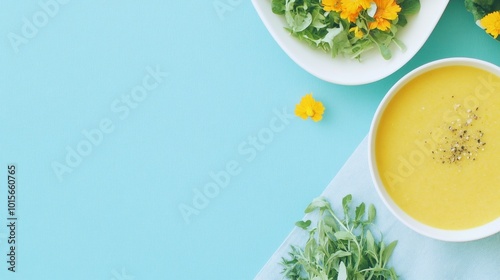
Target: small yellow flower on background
point(386, 10)
point(309, 108)
point(491, 22)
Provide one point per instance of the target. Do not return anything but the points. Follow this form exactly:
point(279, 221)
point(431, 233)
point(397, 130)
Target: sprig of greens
point(327, 30)
point(340, 248)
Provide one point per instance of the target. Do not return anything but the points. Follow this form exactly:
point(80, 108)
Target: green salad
point(347, 27)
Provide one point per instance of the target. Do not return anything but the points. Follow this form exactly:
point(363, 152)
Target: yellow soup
point(437, 147)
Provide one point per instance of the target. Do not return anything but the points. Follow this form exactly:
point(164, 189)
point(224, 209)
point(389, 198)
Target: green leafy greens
point(480, 8)
point(340, 248)
point(327, 30)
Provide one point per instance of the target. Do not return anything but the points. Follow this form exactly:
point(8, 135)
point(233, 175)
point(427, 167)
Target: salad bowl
point(346, 71)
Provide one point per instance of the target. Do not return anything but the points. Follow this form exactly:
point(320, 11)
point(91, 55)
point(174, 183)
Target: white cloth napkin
point(416, 256)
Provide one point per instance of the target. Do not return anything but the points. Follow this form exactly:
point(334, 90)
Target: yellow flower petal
point(350, 14)
point(358, 33)
point(491, 22)
point(331, 5)
point(354, 5)
point(309, 108)
point(300, 111)
point(319, 108)
point(317, 117)
point(386, 10)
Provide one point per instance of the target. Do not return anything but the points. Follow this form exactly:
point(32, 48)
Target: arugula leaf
point(388, 251)
point(340, 248)
point(360, 212)
point(303, 225)
point(278, 7)
point(372, 212)
point(317, 203)
point(345, 204)
point(409, 7)
point(402, 21)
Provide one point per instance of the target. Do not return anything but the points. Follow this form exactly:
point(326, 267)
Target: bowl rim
point(471, 234)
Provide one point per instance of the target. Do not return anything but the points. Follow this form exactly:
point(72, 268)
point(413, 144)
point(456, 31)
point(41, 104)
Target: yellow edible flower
point(386, 10)
point(354, 5)
point(309, 108)
point(491, 22)
point(351, 8)
point(351, 16)
point(358, 33)
point(331, 5)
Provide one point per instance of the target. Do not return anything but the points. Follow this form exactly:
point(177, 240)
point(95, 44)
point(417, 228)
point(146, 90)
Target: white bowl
point(347, 71)
point(436, 233)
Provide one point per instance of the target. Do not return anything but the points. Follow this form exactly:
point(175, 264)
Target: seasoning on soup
point(437, 147)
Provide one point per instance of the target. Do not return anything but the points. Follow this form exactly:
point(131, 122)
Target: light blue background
point(116, 215)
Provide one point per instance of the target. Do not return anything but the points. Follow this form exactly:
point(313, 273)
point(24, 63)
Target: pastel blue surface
point(117, 114)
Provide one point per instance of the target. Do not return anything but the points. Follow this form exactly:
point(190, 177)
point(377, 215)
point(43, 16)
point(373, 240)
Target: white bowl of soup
point(434, 149)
